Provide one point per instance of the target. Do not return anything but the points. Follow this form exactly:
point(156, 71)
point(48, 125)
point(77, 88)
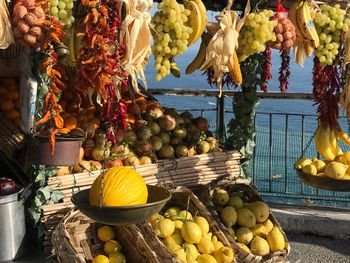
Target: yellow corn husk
point(235, 70)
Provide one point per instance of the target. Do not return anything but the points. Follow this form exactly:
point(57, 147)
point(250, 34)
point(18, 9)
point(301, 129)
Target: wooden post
point(220, 117)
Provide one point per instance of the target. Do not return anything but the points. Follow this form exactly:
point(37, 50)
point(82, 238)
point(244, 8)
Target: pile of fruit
point(248, 223)
point(151, 129)
point(337, 169)
point(28, 20)
point(335, 163)
point(9, 100)
point(189, 238)
point(112, 248)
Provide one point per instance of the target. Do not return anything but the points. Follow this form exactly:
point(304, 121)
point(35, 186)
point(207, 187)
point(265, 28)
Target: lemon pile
point(188, 238)
point(337, 169)
point(248, 223)
point(112, 247)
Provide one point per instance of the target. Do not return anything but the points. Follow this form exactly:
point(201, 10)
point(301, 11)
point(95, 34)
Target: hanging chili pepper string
point(325, 83)
point(266, 70)
point(284, 71)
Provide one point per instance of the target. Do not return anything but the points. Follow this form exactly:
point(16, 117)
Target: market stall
point(93, 145)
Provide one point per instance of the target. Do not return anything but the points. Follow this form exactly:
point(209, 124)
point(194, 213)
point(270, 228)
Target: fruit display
point(249, 223)
point(331, 23)
point(119, 186)
point(189, 238)
point(256, 32)
point(112, 248)
point(28, 20)
point(176, 27)
point(9, 100)
point(62, 10)
point(301, 15)
point(335, 164)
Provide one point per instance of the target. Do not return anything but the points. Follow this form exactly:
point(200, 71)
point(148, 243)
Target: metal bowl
point(118, 215)
point(324, 182)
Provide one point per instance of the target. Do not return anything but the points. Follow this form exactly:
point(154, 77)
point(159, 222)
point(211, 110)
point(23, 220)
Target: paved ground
point(308, 248)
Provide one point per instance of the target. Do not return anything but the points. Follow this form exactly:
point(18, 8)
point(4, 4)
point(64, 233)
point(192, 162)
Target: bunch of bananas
point(302, 15)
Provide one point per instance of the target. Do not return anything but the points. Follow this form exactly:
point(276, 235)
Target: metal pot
point(12, 223)
point(66, 150)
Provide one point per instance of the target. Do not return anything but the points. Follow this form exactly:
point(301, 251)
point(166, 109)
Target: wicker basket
point(181, 197)
point(75, 240)
point(249, 194)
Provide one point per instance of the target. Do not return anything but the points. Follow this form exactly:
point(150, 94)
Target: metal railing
point(281, 138)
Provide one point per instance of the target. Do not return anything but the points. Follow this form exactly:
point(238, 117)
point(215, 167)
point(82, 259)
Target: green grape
point(53, 3)
point(61, 5)
point(62, 14)
point(157, 66)
point(70, 5)
point(54, 11)
point(167, 50)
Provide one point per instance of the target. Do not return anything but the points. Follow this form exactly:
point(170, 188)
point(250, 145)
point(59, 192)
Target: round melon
point(122, 186)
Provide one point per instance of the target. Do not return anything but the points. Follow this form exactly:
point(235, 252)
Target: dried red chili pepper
point(266, 70)
point(284, 71)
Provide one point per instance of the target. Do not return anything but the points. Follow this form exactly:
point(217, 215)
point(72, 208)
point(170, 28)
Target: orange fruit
point(70, 123)
point(12, 114)
point(72, 107)
point(7, 105)
point(64, 130)
point(12, 95)
point(65, 115)
point(95, 122)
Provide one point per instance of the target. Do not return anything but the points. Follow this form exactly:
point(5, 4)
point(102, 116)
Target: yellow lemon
point(112, 246)
point(268, 225)
point(224, 255)
point(191, 232)
point(203, 224)
point(205, 246)
point(100, 259)
point(259, 246)
point(244, 235)
point(117, 257)
point(178, 224)
point(205, 258)
point(172, 211)
point(276, 240)
point(191, 250)
point(105, 233)
point(174, 238)
point(164, 228)
point(229, 216)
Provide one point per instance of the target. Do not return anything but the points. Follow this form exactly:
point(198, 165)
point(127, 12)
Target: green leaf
point(38, 201)
point(56, 196)
point(35, 214)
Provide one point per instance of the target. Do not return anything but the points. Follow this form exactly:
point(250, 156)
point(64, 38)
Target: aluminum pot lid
point(10, 195)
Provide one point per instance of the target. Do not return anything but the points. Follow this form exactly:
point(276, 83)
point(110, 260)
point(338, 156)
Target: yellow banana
point(324, 144)
point(292, 14)
point(194, 21)
point(343, 136)
point(306, 24)
point(333, 142)
point(198, 61)
point(203, 11)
